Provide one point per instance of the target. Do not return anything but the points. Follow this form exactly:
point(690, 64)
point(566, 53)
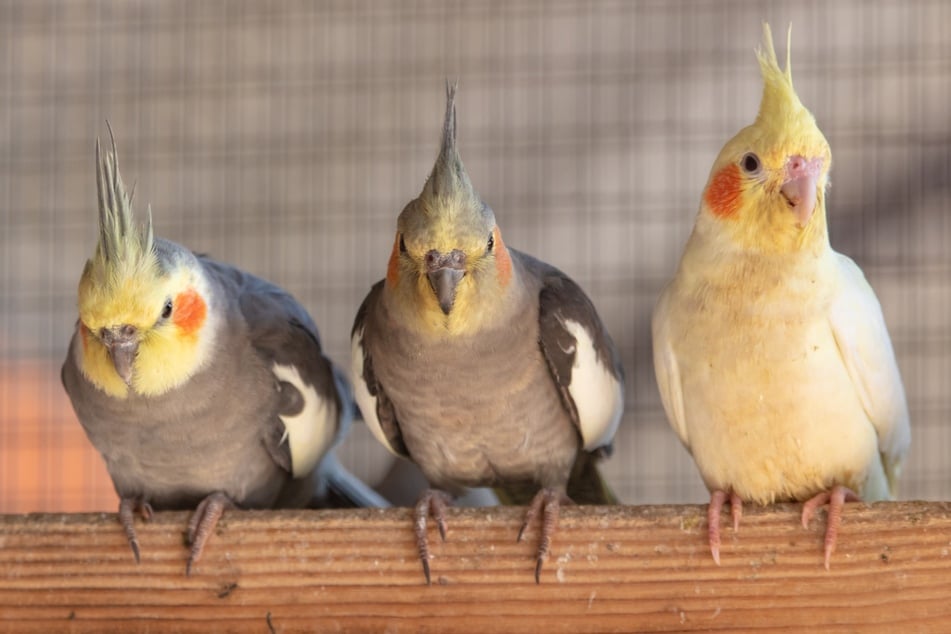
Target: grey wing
point(309, 418)
point(377, 409)
point(582, 358)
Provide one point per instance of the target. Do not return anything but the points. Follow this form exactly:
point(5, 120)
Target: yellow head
point(143, 303)
point(449, 265)
point(767, 187)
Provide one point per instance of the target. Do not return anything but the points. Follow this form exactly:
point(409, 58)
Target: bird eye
point(167, 309)
point(491, 242)
point(402, 244)
point(751, 163)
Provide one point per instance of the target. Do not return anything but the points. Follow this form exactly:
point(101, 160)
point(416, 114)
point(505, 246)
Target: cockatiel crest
point(448, 252)
point(140, 304)
point(768, 183)
point(125, 254)
point(448, 189)
point(779, 101)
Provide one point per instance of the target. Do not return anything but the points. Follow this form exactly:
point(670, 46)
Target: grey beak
point(444, 283)
point(123, 344)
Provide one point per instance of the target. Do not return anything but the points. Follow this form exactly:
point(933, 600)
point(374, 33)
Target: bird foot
point(202, 524)
point(717, 500)
point(549, 502)
point(433, 503)
point(836, 499)
point(128, 507)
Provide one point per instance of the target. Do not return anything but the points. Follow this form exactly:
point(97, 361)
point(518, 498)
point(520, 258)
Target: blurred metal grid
point(286, 137)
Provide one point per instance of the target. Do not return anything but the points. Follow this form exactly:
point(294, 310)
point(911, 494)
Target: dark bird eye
point(167, 309)
point(491, 242)
point(402, 244)
point(750, 163)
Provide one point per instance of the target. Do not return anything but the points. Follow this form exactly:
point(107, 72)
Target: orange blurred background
point(47, 463)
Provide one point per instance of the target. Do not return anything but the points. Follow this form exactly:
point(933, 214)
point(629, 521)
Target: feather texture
point(770, 349)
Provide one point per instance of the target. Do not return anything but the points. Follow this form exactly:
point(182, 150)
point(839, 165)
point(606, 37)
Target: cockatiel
point(200, 385)
point(771, 353)
point(481, 364)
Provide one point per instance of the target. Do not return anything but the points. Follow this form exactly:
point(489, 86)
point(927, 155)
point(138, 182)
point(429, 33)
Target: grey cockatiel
point(483, 365)
point(200, 385)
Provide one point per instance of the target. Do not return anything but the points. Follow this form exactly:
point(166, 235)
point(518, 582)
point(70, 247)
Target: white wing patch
point(597, 393)
point(310, 432)
point(361, 393)
point(858, 326)
point(666, 369)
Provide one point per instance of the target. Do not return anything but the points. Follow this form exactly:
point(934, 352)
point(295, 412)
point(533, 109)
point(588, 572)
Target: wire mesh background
point(286, 137)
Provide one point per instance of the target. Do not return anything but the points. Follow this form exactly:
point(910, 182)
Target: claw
point(425, 565)
point(530, 514)
point(433, 503)
point(134, 544)
point(548, 501)
point(836, 499)
point(736, 510)
point(713, 523)
point(717, 500)
point(202, 524)
point(128, 507)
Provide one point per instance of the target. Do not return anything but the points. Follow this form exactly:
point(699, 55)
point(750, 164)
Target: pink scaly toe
point(717, 500)
point(836, 499)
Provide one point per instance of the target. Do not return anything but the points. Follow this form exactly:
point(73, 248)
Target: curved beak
point(799, 187)
point(122, 342)
point(444, 282)
point(444, 270)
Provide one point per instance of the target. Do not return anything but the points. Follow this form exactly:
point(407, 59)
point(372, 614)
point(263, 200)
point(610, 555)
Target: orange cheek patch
point(84, 335)
point(393, 268)
point(503, 261)
point(190, 311)
point(723, 194)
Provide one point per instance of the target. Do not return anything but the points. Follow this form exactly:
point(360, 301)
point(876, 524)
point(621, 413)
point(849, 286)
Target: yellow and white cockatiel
point(201, 385)
point(771, 353)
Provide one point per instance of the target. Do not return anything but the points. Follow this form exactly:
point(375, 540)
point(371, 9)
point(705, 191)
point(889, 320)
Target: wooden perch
point(612, 569)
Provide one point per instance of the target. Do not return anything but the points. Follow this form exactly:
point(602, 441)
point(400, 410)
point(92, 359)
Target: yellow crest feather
point(780, 100)
point(125, 262)
point(120, 244)
point(784, 128)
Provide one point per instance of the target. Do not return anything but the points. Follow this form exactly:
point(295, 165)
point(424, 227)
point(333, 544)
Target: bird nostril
point(435, 260)
point(103, 333)
point(127, 330)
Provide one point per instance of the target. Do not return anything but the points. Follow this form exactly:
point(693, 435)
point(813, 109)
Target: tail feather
point(586, 484)
point(338, 488)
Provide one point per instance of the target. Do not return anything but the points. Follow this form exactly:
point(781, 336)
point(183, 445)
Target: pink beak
point(799, 188)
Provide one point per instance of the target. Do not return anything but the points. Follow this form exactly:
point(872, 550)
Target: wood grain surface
point(616, 568)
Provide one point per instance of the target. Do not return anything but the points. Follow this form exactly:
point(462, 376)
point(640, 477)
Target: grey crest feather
point(119, 239)
point(449, 178)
